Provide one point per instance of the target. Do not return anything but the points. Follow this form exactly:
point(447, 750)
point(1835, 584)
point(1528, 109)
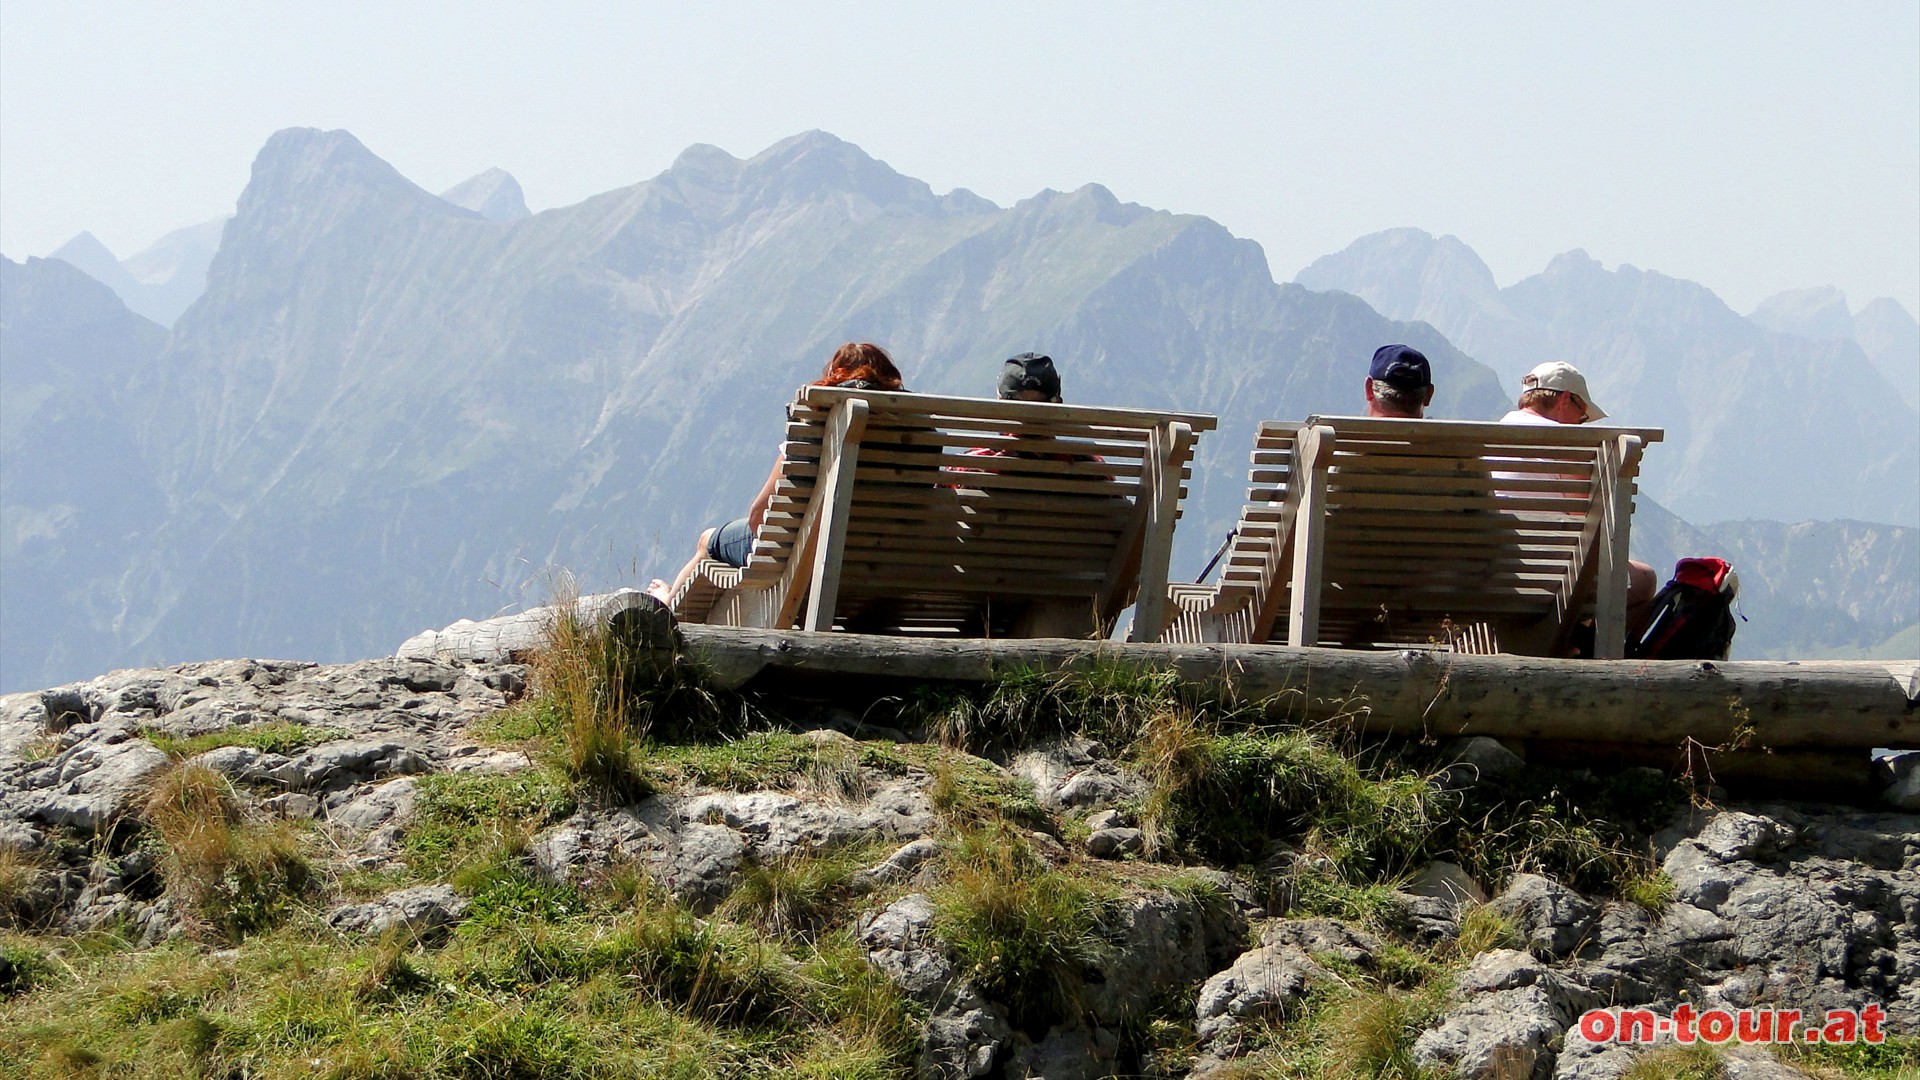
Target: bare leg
point(1642, 584)
point(666, 592)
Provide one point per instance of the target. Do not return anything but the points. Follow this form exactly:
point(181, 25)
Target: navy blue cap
point(1401, 366)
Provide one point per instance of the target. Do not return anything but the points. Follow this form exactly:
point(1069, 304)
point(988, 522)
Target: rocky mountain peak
point(1573, 265)
point(307, 167)
point(815, 164)
point(705, 160)
point(494, 195)
point(91, 257)
point(1408, 273)
point(1817, 314)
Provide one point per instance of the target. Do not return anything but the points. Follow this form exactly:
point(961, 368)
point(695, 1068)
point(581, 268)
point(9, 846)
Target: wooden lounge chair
point(1464, 535)
point(882, 521)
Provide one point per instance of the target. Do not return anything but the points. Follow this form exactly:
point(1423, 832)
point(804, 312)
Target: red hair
point(861, 362)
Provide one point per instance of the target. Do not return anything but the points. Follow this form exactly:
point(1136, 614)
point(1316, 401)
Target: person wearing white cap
point(1554, 393)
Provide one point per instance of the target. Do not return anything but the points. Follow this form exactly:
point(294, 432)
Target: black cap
point(1029, 371)
point(1402, 366)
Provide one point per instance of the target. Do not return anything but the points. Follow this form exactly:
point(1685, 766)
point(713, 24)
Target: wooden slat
point(1160, 499)
point(1093, 486)
point(1124, 449)
point(1303, 605)
point(892, 403)
point(848, 423)
point(1432, 431)
point(953, 463)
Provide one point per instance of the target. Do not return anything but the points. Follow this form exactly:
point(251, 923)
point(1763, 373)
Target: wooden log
point(505, 637)
point(1786, 704)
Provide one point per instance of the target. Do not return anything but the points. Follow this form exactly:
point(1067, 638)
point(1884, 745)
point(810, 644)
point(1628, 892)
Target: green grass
point(1351, 1028)
point(1106, 700)
point(1024, 932)
point(1652, 890)
point(274, 737)
point(1897, 1058)
point(467, 824)
point(800, 896)
point(615, 988)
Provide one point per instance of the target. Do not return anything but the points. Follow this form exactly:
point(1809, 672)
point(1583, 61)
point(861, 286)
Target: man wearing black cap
point(1399, 384)
point(1029, 377)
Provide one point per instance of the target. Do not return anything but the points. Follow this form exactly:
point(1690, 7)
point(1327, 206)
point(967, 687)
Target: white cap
point(1560, 375)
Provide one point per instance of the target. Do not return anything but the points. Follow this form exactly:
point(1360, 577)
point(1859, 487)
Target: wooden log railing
point(1830, 704)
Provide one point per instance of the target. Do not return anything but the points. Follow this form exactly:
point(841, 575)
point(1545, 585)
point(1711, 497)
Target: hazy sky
point(1751, 146)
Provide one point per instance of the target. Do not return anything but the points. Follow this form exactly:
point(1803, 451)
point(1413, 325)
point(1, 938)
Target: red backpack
point(1693, 615)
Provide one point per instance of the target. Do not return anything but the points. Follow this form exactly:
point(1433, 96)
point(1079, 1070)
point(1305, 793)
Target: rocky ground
point(1791, 905)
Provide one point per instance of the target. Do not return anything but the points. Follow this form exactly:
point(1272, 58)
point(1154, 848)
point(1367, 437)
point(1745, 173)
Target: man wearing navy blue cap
point(1399, 384)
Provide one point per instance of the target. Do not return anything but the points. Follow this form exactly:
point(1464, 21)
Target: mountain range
point(389, 409)
point(161, 281)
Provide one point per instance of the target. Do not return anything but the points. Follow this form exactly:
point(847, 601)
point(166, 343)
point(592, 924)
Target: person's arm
point(758, 512)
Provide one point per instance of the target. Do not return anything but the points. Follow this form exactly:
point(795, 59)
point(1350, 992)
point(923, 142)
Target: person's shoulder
point(1524, 416)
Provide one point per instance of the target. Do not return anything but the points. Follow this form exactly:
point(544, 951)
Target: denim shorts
point(731, 543)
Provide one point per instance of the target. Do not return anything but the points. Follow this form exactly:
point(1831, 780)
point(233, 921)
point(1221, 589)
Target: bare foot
point(660, 591)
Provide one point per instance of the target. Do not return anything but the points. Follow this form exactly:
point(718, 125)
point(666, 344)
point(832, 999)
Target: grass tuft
point(275, 737)
point(237, 876)
point(466, 825)
point(1482, 928)
point(607, 696)
point(20, 876)
point(1025, 931)
point(1696, 1062)
point(798, 896)
point(1651, 889)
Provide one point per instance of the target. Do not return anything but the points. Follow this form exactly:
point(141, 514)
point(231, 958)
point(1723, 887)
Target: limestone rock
point(1478, 758)
point(1448, 882)
point(697, 862)
point(1554, 918)
point(1503, 1035)
point(97, 783)
point(778, 824)
point(901, 863)
point(1319, 937)
point(342, 764)
point(421, 912)
point(964, 1033)
point(1900, 774)
point(1116, 843)
point(391, 802)
point(241, 764)
point(1159, 943)
point(1076, 773)
point(1264, 983)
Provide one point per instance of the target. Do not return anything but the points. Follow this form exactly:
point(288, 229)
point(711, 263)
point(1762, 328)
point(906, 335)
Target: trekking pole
point(1215, 561)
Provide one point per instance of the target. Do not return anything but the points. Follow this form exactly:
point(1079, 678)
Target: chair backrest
point(915, 513)
point(1363, 531)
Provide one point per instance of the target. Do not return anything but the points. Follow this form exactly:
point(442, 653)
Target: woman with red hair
point(853, 366)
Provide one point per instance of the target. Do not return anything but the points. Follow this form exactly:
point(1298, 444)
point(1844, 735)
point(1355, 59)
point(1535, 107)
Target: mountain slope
point(75, 492)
